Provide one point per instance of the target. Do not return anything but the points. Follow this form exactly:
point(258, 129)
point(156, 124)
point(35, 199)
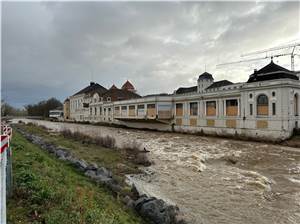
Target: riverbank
point(153, 210)
point(47, 190)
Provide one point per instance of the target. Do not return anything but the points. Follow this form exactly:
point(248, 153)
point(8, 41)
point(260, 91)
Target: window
point(194, 109)
point(108, 99)
point(100, 110)
point(91, 111)
point(132, 110)
point(250, 95)
point(262, 105)
point(296, 107)
point(273, 108)
point(211, 108)
point(251, 109)
point(232, 107)
point(109, 111)
point(95, 110)
point(179, 109)
point(273, 94)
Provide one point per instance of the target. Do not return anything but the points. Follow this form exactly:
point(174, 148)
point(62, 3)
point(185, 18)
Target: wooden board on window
point(164, 114)
point(178, 121)
point(179, 111)
point(132, 112)
point(193, 121)
point(231, 111)
point(261, 124)
point(210, 111)
point(231, 123)
point(262, 110)
point(210, 123)
point(151, 112)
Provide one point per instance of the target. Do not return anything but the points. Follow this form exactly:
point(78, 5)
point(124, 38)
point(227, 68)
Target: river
point(213, 180)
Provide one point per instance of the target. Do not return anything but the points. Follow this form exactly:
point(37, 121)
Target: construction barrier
point(5, 170)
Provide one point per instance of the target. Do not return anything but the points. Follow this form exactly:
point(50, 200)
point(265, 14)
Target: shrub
point(137, 153)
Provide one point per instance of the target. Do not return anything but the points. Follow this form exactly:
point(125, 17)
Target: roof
point(219, 84)
point(128, 85)
point(67, 100)
point(93, 87)
point(183, 90)
point(205, 75)
point(120, 94)
point(113, 87)
point(157, 94)
point(272, 71)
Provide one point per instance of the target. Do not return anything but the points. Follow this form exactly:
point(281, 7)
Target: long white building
point(265, 107)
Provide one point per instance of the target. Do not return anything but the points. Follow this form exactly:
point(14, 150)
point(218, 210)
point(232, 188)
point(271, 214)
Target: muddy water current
point(214, 180)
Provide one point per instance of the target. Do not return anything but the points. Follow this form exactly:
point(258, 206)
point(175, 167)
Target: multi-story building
point(265, 107)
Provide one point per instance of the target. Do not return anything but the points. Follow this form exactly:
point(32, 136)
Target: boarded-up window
point(95, 110)
point(211, 108)
point(194, 109)
point(164, 110)
point(179, 109)
point(100, 110)
point(91, 111)
point(151, 111)
point(251, 109)
point(132, 110)
point(262, 105)
point(232, 107)
point(117, 111)
point(178, 121)
point(193, 122)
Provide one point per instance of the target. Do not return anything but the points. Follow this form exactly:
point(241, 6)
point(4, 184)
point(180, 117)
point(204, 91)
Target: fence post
point(9, 177)
point(3, 161)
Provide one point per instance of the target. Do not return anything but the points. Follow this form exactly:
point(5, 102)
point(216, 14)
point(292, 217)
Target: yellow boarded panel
point(132, 112)
point(193, 122)
point(210, 123)
point(261, 124)
point(231, 123)
point(178, 121)
point(211, 111)
point(151, 112)
point(262, 110)
point(164, 114)
point(231, 111)
point(179, 112)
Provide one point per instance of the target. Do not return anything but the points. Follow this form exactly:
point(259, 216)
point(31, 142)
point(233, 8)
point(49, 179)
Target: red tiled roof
point(127, 85)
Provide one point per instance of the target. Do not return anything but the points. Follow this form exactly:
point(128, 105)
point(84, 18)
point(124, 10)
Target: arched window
point(262, 105)
point(296, 104)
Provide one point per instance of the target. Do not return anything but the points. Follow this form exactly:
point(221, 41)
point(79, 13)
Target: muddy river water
point(214, 180)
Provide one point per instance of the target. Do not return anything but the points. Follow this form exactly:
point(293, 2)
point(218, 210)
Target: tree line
point(39, 109)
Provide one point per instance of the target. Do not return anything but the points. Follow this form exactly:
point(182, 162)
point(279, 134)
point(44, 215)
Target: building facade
point(265, 107)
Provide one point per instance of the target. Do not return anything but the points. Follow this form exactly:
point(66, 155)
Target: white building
point(265, 107)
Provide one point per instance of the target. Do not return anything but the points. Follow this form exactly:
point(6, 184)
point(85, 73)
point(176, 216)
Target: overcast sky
point(55, 49)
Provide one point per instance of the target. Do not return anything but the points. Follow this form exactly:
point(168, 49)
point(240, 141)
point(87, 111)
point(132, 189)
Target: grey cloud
point(54, 49)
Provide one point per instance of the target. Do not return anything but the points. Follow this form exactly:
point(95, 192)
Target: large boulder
point(81, 164)
point(102, 171)
point(158, 211)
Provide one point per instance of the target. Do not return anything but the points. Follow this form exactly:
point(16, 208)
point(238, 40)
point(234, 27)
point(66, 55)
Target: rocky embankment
point(152, 209)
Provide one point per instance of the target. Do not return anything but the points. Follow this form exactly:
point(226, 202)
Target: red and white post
point(3, 163)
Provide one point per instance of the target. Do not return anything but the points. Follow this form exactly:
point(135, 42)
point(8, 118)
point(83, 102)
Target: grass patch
point(49, 191)
point(120, 162)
